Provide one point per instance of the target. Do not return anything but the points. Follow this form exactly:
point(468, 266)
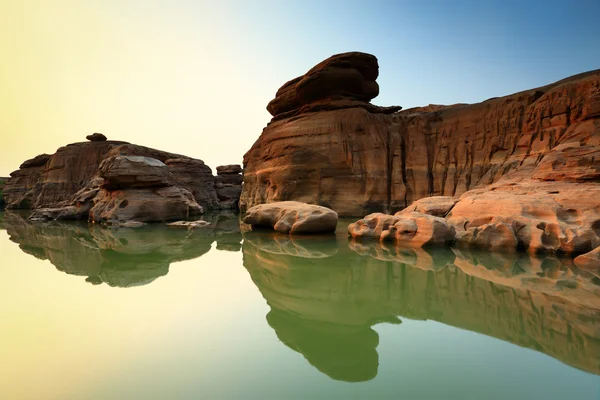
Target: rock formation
point(520, 171)
point(327, 145)
point(292, 217)
point(117, 180)
point(229, 185)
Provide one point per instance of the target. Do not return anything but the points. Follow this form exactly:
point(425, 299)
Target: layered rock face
point(335, 149)
point(228, 185)
point(102, 174)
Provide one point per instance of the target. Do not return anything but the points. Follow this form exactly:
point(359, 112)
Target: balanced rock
point(229, 169)
point(412, 229)
point(292, 217)
point(96, 137)
point(133, 171)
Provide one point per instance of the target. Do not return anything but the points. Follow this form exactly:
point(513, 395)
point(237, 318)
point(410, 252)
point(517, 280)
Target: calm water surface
point(167, 313)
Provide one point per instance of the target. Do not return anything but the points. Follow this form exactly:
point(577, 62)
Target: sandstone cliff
point(327, 145)
point(68, 183)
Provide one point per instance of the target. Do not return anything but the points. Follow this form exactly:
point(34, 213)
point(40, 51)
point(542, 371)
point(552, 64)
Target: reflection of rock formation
point(118, 257)
point(325, 308)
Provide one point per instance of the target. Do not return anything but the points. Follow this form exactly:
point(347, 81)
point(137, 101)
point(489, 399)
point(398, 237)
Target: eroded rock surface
point(292, 217)
point(335, 149)
point(65, 185)
point(413, 229)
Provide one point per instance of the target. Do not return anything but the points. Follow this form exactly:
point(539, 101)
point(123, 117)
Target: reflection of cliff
point(117, 257)
point(325, 308)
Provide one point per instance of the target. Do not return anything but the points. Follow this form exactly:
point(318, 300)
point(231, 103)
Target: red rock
point(589, 260)
point(292, 217)
point(167, 203)
point(412, 229)
point(54, 184)
point(340, 153)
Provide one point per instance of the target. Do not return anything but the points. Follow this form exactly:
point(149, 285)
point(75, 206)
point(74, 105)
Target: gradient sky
point(194, 77)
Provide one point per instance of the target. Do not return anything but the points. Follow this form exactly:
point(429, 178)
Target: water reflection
point(325, 294)
point(121, 257)
point(325, 308)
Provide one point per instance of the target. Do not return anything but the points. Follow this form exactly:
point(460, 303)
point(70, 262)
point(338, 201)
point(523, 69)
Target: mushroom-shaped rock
point(413, 229)
point(292, 217)
point(133, 171)
point(589, 260)
point(96, 137)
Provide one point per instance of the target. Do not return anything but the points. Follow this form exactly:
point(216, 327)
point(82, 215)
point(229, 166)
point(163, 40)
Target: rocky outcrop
point(228, 185)
point(356, 160)
point(65, 185)
point(292, 217)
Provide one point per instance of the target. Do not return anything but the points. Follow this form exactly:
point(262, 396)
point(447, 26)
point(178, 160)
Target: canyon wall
point(334, 148)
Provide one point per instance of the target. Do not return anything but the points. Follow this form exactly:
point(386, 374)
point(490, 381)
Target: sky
point(194, 77)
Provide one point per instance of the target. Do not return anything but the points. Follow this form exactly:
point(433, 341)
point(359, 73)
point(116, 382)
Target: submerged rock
point(190, 224)
point(292, 217)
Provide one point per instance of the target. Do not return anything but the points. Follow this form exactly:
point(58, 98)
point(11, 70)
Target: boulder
point(229, 169)
point(590, 260)
point(438, 206)
point(134, 171)
point(96, 137)
point(412, 229)
point(292, 217)
point(540, 217)
point(167, 203)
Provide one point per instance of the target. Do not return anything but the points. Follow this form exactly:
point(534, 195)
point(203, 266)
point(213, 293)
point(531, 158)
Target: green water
point(167, 313)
